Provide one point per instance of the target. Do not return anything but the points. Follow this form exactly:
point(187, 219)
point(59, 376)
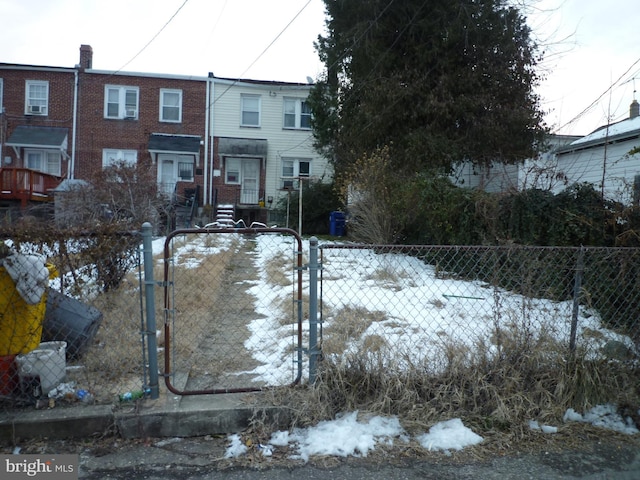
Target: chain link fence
point(233, 310)
point(70, 317)
point(424, 305)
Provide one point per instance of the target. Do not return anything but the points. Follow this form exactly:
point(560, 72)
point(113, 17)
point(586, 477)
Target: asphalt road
point(203, 458)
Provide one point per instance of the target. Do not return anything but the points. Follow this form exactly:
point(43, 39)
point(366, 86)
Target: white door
point(250, 181)
point(167, 176)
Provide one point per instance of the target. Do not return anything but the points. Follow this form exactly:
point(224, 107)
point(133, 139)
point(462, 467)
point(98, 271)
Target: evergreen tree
point(437, 81)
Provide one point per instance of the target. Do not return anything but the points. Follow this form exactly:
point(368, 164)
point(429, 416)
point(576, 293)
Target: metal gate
point(232, 310)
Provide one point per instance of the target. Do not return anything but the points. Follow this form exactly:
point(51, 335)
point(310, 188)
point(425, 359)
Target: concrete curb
point(177, 417)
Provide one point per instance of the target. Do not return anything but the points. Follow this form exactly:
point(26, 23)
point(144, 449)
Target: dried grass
point(494, 395)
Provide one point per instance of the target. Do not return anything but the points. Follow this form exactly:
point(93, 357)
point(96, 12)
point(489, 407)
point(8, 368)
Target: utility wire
point(263, 52)
point(592, 104)
point(153, 38)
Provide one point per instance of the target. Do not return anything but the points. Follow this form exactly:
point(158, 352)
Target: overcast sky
point(590, 44)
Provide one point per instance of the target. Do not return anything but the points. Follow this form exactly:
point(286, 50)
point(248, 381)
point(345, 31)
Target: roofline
point(630, 135)
point(221, 80)
point(147, 74)
point(276, 83)
point(15, 66)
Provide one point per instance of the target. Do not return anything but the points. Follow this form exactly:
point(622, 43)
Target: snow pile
point(30, 275)
point(605, 416)
point(346, 436)
point(449, 435)
point(237, 448)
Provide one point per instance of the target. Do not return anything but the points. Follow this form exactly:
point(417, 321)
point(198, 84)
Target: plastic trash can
point(20, 322)
point(336, 224)
point(69, 320)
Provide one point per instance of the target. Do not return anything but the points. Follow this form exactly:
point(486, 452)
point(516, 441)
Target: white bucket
point(48, 362)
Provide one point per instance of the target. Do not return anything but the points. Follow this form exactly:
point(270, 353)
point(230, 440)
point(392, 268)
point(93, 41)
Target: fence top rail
point(392, 247)
point(241, 231)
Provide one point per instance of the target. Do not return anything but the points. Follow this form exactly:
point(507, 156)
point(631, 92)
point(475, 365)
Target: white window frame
point(232, 164)
point(293, 117)
point(291, 170)
point(36, 105)
point(163, 105)
point(245, 108)
point(111, 156)
point(185, 163)
point(119, 96)
point(1, 97)
point(49, 161)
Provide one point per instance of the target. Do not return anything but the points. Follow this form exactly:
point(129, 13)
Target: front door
point(167, 176)
point(250, 181)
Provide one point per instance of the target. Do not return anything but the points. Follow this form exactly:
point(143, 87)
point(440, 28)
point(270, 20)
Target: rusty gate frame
point(167, 305)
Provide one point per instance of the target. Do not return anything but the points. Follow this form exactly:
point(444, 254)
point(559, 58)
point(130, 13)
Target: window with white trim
point(1, 103)
point(232, 171)
point(292, 168)
point(170, 105)
point(297, 114)
point(113, 156)
point(250, 110)
point(185, 171)
point(36, 100)
point(46, 161)
point(121, 101)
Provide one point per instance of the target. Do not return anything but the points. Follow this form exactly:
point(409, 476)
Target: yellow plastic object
point(20, 323)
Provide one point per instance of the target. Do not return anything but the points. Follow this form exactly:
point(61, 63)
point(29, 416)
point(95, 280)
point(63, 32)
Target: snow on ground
point(406, 324)
point(348, 435)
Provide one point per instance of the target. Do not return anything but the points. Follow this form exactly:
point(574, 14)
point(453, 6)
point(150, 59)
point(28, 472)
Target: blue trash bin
point(336, 224)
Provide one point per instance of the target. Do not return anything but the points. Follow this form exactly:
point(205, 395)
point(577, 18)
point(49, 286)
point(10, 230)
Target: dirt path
point(220, 355)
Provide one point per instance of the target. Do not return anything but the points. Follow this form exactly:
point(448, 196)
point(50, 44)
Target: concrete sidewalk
point(168, 416)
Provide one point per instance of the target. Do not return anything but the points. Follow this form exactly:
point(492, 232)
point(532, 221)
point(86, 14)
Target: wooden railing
point(27, 185)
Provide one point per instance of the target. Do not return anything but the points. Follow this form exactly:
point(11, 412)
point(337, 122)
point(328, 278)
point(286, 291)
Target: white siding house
point(263, 143)
point(604, 158)
point(541, 172)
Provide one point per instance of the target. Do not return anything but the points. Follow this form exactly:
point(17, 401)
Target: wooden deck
point(26, 185)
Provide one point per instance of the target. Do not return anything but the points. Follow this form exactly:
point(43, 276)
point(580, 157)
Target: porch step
point(225, 215)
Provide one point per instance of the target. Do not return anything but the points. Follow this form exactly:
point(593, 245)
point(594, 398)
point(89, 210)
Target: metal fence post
point(150, 307)
point(313, 309)
point(577, 292)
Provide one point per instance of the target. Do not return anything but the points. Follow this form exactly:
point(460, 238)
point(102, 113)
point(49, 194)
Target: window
point(250, 116)
point(111, 157)
point(1, 104)
point(232, 171)
point(185, 171)
point(170, 105)
point(297, 114)
point(120, 102)
point(47, 161)
point(36, 97)
point(293, 168)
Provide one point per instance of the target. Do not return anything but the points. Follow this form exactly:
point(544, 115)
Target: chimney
point(634, 109)
point(86, 57)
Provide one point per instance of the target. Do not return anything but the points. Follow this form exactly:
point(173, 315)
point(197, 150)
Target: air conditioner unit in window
point(129, 114)
point(35, 109)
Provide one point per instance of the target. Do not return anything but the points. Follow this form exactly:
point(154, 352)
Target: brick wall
point(59, 109)
point(95, 132)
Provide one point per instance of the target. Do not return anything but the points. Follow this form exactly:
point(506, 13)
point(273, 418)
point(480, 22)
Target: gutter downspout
point(211, 119)
point(72, 166)
point(206, 148)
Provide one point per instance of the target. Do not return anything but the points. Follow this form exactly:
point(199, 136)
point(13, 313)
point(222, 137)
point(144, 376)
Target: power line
point(153, 38)
point(261, 54)
point(592, 104)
